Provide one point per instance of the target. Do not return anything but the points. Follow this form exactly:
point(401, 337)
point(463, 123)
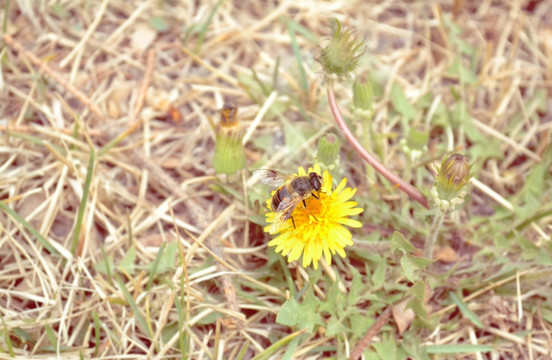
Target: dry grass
point(81, 274)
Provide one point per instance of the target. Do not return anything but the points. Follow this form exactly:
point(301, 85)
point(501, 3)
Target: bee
point(292, 189)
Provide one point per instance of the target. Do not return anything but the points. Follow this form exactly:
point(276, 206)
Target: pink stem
point(400, 183)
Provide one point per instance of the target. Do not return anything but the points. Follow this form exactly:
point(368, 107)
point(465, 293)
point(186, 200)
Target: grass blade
point(155, 265)
point(203, 28)
point(97, 329)
point(297, 52)
point(29, 227)
point(277, 346)
point(130, 300)
point(84, 199)
point(465, 310)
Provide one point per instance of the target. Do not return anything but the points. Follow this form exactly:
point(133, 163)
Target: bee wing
point(284, 211)
point(272, 177)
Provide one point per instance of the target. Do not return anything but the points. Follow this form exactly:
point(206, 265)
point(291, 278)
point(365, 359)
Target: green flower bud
point(229, 151)
point(339, 57)
point(328, 150)
point(453, 175)
point(362, 95)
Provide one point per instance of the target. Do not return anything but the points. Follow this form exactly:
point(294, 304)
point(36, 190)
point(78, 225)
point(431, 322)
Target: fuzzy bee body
point(291, 191)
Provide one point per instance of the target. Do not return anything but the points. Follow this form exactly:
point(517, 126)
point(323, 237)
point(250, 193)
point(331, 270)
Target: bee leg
point(305, 205)
point(293, 221)
point(316, 197)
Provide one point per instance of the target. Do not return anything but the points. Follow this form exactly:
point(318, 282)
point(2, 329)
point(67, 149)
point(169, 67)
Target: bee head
point(316, 181)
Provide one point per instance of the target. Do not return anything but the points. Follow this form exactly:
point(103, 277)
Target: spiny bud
point(339, 57)
point(453, 175)
point(328, 151)
point(229, 151)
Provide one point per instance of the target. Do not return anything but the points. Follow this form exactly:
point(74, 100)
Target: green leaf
point(378, 277)
point(386, 349)
point(202, 30)
point(23, 336)
point(466, 311)
point(356, 287)
point(102, 265)
point(464, 74)
point(84, 199)
point(168, 258)
point(140, 319)
point(97, 331)
point(335, 300)
point(127, 262)
point(400, 102)
point(289, 313)
point(155, 265)
point(417, 140)
point(418, 291)
point(335, 327)
point(304, 315)
point(398, 242)
point(408, 268)
point(169, 331)
point(277, 346)
point(360, 322)
point(159, 24)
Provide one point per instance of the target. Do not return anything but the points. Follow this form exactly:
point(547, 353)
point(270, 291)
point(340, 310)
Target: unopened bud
point(328, 150)
point(362, 97)
point(229, 151)
point(453, 175)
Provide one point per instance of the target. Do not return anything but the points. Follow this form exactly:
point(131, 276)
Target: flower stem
point(432, 239)
point(379, 167)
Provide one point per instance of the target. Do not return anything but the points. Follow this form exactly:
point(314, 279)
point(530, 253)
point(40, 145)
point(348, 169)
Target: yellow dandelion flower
point(319, 228)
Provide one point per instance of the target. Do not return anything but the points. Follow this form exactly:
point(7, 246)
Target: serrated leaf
point(335, 327)
point(334, 299)
point(304, 316)
point(398, 242)
point(386, 349)
point(360, 322)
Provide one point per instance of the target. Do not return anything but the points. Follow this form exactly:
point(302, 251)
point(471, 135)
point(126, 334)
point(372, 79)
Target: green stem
point(432, 239)
point(370, 159)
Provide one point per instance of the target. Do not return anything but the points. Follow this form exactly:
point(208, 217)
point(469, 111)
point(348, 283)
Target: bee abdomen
point(281, 193)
